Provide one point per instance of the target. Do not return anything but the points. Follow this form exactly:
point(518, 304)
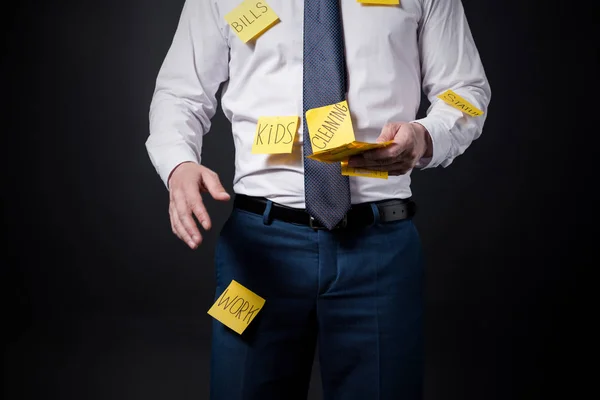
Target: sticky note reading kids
point(251, 18)
point(275, 135)
point(236, 307)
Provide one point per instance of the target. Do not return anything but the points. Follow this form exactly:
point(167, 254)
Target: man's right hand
point(186, 183)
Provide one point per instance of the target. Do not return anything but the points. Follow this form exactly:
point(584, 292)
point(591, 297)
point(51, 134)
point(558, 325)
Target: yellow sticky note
point(236, 307)
point(345, 151)
point(460, 103)
point(251, 18)
point(275, 135)
point(380, 2)
point(329, 126)
point(367, 173)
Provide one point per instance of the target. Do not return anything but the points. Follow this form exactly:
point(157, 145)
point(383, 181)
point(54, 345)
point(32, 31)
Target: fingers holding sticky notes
point(236, 307)
point(251, 18)
point(332, 139)
point(332, 135)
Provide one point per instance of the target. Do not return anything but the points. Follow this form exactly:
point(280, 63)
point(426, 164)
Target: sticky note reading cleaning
point(236, 307)
point(381, 2)
point(367, 173)
point(459, 103)
point(329, 126)
point(275, 135)
point(345, 151)
point(251, 18)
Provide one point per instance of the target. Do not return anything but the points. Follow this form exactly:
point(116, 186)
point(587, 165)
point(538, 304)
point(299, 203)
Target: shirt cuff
point(440, 141)
point(166, 161)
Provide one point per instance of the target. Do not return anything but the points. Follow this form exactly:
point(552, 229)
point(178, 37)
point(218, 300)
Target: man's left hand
point(411, 143)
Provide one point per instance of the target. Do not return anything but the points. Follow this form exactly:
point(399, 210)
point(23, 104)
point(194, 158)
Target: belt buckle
point(316, 225)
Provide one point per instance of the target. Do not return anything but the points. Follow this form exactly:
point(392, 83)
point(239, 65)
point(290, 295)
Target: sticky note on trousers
point(329, 126)
point(236, 307)
point(275, 135)
point(251, 18)
point(456, 101)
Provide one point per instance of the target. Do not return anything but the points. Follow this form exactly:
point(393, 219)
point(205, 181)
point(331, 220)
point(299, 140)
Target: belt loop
point(376, 215)
point(267, 214)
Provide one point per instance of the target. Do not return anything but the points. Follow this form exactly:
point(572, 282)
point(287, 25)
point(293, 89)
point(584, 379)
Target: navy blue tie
point(327, 191)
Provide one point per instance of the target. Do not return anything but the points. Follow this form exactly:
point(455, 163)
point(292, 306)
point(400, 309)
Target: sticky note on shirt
point(275, 135)
point(251, 18)
point(345, 151)
point(460, 103)
point(236, 307)
point(329, 126)
point(380, 2)
point(367, 173)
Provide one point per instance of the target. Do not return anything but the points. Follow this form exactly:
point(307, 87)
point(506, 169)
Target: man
point(337, 258)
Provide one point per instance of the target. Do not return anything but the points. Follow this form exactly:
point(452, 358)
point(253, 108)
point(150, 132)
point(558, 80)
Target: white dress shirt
point(391, 54)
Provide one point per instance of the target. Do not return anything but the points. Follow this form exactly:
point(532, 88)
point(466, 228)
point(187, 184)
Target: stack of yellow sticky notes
point(332, 139)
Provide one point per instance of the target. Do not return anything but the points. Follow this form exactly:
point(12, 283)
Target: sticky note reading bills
point(236, 307)
point(251, 18)
point(460, 103)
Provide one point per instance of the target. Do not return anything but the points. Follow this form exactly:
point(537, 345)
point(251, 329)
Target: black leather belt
point(359, 216)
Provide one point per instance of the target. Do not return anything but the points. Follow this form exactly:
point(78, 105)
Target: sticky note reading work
point(275, 135)
point(329, 126)
point(251, 18)
point(381, 2)
point(236, 307)
point(367, 173)
point(459, 103)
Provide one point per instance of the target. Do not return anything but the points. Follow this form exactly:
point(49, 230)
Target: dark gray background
point(103, 302)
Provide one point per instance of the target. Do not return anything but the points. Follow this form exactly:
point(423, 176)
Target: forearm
point(450, 60)
point(184, 100)
point(450, 131)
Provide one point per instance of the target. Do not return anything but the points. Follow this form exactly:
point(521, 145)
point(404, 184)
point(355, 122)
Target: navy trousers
point(357, 293)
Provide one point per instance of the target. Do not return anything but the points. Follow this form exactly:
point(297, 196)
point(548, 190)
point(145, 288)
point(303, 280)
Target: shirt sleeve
point(184, 99)
point(450, 60)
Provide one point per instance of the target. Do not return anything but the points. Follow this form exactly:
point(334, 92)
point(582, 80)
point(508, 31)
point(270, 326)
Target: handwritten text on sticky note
point(367, 173)
point(380, 2)
point(251, 18)
point(275, 135)
point(329, 126)
point(460, 103)
point(236, 307)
